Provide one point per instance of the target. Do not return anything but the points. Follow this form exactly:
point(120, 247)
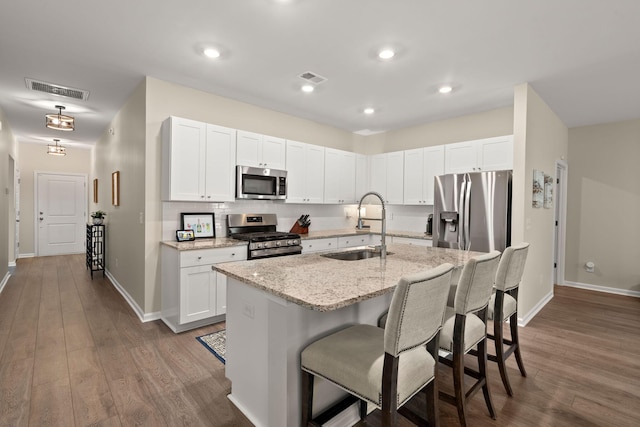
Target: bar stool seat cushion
point(509, 306)
point(474, 330)
point(343, 356)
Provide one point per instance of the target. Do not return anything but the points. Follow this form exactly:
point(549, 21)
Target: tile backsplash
point(323, 217)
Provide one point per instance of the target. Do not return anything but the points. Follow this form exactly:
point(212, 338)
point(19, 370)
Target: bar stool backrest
point(476, 283)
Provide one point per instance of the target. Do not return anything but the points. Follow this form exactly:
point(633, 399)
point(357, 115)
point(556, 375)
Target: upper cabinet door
point(248, 149)
point(495, 153)
point(480, 155)
point(314, 174)
point(260, 151)
point(461, 157)
point(183, 159)
point(273, 152)
point(433, 166)
point(413, 177)
point(220, 165)
point(395, 178)
point(339, 176)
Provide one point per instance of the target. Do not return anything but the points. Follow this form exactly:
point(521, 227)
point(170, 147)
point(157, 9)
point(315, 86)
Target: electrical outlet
point(141, 217)
point(249, 311)
point(116, 262)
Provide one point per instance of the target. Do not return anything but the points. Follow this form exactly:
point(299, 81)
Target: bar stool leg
point(513, 322)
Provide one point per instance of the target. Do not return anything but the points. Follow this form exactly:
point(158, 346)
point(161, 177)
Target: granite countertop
point(218, 242)
point(224, 242)
point(325, 284)
point(322, 234)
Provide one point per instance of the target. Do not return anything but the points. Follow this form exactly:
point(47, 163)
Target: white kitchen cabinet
point(319, 245)
point(260, 151)
point(193, 293)
point(339, 176)
point(410, 241)
point(198, 161)
point(479, 155)
point(387, 176)
point(362, 175)
point(305, 177)
point(352, 241)
point(420, 167)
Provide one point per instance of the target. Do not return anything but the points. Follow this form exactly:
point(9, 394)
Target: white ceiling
point(581, 56)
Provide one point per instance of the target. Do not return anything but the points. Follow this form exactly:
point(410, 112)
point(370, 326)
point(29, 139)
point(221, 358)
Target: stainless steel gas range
point(260, 231)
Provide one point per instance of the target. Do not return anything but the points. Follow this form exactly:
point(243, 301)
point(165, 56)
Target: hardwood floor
point(72, 353)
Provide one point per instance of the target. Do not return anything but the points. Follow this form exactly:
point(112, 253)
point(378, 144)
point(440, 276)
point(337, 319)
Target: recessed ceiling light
point(212, 53)
point(445, 89)
point(307, 88)
point(386, 54)
point(369, 110)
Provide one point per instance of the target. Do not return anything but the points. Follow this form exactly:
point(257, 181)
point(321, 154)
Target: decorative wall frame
point(548, 191)
point(95, 190)
point(115, 188)
point(538, 188)
point(202, 224)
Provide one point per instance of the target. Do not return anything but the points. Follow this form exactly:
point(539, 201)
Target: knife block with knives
point(301, 226)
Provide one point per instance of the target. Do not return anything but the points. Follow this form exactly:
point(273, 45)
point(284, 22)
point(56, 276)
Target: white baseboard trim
point(12, 264)
point(31, 255)
point(5, 279)
point(144, 317)
point(522, 321)
point(608, 290)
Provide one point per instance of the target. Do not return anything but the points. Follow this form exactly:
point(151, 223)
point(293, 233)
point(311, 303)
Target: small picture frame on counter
point(185, 235)
point(202, 224)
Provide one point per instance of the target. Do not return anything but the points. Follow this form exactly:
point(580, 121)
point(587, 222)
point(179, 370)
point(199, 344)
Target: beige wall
point(34, 157)
point(496, 122)
point(124, 150)
point(540, 138)
point(603, 212)
point(8, 150)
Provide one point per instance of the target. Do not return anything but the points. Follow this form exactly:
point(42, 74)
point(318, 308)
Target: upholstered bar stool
point(465, 328)
point(504, 306)
point(385, 367)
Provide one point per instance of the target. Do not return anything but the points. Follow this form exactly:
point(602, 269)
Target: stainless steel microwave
point(260, 183)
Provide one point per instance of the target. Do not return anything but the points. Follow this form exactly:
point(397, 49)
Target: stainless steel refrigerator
point(472, 211)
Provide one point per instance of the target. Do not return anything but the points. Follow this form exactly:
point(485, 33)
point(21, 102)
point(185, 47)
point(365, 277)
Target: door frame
point(36, 190)
point(560, 216)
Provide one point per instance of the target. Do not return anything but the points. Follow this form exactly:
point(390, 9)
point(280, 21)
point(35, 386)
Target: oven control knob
point(289, 242)
point(258, 245)
point(278, 243)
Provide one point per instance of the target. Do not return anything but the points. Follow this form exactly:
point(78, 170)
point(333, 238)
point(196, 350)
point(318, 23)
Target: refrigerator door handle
point(461, 214)
point(467, 216)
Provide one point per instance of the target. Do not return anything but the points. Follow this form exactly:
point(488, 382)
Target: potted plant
point(98, 217)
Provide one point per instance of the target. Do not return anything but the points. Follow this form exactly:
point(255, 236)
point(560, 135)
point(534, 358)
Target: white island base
point(265, 335)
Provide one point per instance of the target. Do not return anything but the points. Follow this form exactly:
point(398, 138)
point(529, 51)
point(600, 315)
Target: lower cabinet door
point(197, 293)
point(221, 293)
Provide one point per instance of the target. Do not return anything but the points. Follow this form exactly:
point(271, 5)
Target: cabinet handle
point(233, 254)
point(208, 197)
point(199, 258)
point(212, 269)
point(202, 197)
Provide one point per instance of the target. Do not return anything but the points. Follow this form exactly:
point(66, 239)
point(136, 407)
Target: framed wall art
point(548, 191)
point(185, 235)
point(115, 188)
point(95, 190)
point(202, 224)
point(538, 188)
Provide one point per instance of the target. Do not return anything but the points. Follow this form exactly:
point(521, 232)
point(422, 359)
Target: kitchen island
point(277, 306)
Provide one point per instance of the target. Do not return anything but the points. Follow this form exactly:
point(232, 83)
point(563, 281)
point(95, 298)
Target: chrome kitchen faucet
point(383, 244)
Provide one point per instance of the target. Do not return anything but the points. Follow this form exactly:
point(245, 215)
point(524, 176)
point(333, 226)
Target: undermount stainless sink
point(354, 254)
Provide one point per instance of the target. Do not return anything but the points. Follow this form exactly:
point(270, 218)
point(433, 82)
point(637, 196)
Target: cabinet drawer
point(410, 241)
point(317, 245)
point(351, 241)
point(212, 256)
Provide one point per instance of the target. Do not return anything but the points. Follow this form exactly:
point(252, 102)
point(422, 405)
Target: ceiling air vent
point(58, 90)
point(312, 77)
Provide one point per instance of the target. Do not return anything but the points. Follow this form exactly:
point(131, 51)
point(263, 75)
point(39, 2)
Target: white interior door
point(60, 213)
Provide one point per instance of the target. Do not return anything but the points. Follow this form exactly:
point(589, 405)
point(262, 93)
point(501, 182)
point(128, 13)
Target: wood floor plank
point(51, 404)
point(579, 350)
point(135, 406)
point(15, 392)
point(92, 399)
